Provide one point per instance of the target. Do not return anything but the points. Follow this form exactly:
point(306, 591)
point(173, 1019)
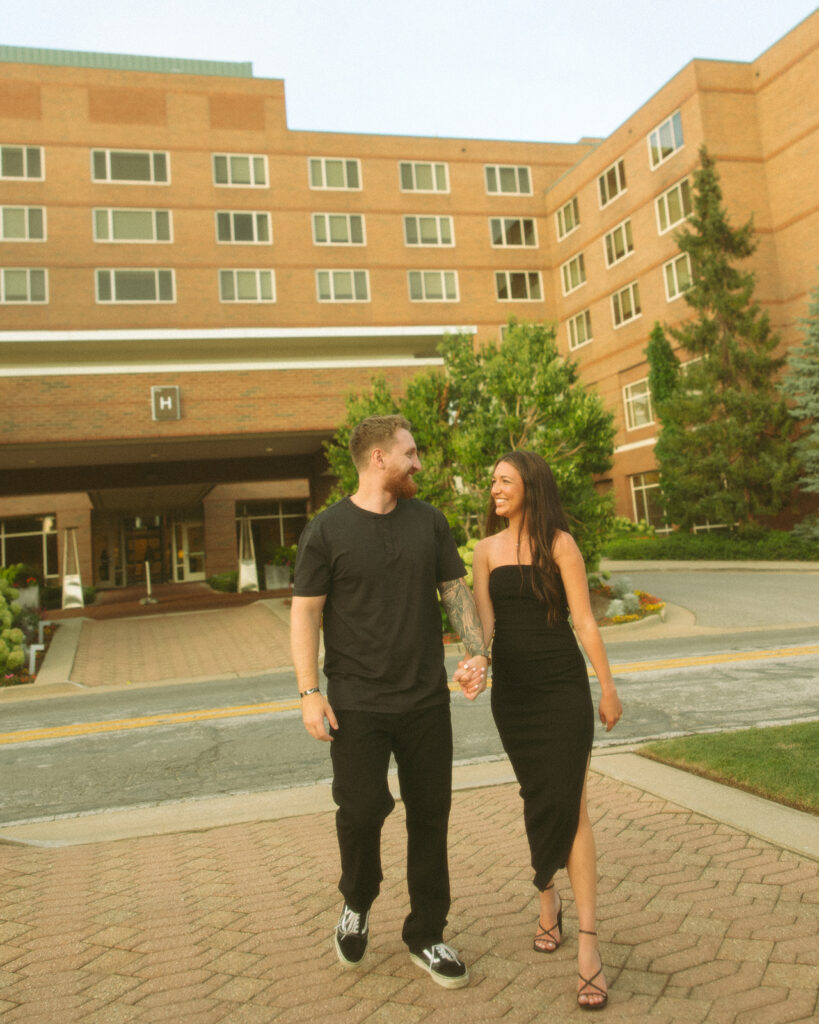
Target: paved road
point(241, 745)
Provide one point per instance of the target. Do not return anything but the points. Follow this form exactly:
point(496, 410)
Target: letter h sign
point(165, 403)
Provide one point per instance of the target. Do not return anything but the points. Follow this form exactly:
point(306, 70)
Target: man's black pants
point(421, 742)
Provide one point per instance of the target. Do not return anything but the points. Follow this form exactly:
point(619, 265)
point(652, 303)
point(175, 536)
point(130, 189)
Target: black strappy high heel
point(589, 983)
point(546, 933)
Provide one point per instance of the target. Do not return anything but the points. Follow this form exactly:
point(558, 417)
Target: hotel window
point(22, 224)
point(647, 500)
point(428, 231)
point(508, 180)
point(512, 231)
point(247, 286)
point(677, 276)
point(433, 286)
point(115, 225)
point(567, 218)
point(242, 228)
point(342, 286)
point(23, 284)
point(665, 140)
point(135, 286)
point(618, 243)
point(329, 172)
point(612, 182)
point(513, 285)
point(625, 304)
point(240, 170)
point(423, 177)
point(338, 229)
point(31, 540)
point(580, 330)
point(130, 166)
point(573, 273)
point(673, 206)
point(22, 162)
point(637, 401)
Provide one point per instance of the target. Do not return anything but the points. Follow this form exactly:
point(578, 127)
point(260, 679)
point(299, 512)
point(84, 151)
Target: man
point(372, 565)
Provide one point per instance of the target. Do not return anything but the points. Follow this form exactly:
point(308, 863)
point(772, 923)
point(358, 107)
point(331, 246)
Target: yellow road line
point(272, 707)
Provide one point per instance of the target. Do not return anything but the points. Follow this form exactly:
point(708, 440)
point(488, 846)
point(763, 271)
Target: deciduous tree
point(520, 393)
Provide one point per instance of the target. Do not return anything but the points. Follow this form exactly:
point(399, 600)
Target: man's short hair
point(374, 432)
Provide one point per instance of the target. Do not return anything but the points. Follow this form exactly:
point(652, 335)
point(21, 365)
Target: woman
point(527, 579)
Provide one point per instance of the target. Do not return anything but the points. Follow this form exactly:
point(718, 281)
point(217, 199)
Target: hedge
point(775, 545)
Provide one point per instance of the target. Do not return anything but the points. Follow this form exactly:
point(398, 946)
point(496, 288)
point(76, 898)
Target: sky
point(527, 70)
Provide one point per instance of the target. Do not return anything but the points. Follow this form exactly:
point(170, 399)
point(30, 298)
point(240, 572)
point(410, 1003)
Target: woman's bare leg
point(582, 868)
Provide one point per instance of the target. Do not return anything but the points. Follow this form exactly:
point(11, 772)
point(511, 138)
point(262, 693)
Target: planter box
point(277, 577)
point(29, 597)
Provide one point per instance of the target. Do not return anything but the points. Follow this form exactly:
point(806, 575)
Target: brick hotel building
point(189, 289)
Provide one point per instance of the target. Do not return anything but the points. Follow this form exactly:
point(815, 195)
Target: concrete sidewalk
point(223, 910)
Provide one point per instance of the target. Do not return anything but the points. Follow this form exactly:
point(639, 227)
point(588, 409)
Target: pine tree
point(723, 451)
point(801, 384)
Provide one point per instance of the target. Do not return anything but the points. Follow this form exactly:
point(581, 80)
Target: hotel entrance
point(171, 546)
point(188, 550)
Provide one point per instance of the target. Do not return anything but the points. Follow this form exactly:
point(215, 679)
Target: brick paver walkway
point(699, 922)
point(202, 644)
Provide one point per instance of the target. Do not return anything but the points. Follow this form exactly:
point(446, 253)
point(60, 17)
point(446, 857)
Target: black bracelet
point(306, 693)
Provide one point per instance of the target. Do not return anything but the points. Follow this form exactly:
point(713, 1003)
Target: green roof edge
point(124, 62)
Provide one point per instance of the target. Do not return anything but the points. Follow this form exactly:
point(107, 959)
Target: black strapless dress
point(542, 707)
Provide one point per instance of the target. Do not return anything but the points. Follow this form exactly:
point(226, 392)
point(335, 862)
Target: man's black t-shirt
point(382, 624)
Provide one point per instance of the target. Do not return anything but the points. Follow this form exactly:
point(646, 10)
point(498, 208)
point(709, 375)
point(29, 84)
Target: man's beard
point(401, 486)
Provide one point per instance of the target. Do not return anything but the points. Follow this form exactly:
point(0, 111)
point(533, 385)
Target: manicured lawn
point(779, 762)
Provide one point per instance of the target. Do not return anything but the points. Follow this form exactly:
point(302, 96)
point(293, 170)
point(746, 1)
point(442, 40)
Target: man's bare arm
point(305, 625)
point(460, 607)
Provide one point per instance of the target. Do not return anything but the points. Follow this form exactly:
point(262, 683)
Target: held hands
point(471, 674)
point(314, 710)
point(610, 709)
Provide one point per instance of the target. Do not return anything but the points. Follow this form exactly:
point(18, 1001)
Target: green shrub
point(226, 582)
point(767, 546)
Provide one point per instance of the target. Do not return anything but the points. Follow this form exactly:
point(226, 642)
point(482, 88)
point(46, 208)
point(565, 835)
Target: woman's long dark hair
point(543, 516)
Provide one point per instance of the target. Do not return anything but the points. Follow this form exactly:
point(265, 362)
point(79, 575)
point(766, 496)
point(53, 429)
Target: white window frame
point(27, 272)
point(26, 211)
point(633, 290)
point(494, 171)
point(25, 152)
point(413, 165)
point(114, 271)
point(584, 317)
point(639, 486)
point(152, 154)
point(424, 276)
point(624, 227)
point(257, 274)
point(603, 195)
point(503, 223)
point(561, 217)
point(683, 186)
point(255, 215)
point(577, 261)
point(348, 219)
point(345, 161)
point(656, 154)
point(671, 269)
point(253, 169)
point(110, 213)
point(333, 274)
point(528, 275)
point(637, 395)
point(439, 223)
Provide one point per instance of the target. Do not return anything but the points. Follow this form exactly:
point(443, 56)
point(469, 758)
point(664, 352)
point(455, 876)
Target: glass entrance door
point(189, 551)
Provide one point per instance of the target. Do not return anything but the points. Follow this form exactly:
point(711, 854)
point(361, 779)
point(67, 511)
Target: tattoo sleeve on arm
point(460, 607)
